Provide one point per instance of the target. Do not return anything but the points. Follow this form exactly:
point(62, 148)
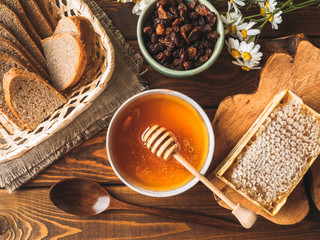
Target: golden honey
point(137, 163)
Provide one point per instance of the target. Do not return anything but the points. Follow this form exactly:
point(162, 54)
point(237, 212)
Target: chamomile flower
point(233, 22)
point(268, 6)
point(236, 3)
point(140, 5)
point(250, 52)
point(275, 19)
point(246, 65)
point(246, 30)
point(234, 47)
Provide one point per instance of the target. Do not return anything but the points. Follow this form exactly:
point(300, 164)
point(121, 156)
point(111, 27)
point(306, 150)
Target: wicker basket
point(93, 82)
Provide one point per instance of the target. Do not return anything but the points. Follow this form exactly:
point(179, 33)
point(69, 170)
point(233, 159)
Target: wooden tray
point(235, 115)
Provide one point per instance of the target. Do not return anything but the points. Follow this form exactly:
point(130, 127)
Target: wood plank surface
point(29, 214)
point(35, 217)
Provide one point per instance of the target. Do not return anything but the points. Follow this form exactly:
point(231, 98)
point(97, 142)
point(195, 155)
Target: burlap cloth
point(125, 82)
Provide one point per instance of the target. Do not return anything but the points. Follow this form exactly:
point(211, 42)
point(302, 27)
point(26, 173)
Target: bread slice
point(36, 17)
point(44, 7)
point(6, 63)
point(6, 34)
point(13, 23)
point(66, 58)
point(81, 27)
point(7, 47)
point(29, 97)
point(17, 8)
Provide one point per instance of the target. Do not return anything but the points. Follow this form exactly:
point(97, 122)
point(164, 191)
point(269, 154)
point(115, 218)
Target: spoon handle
point(177, 215)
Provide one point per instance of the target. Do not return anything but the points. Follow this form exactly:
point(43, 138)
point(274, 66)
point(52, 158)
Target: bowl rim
point(180, 73)
point(194, 180)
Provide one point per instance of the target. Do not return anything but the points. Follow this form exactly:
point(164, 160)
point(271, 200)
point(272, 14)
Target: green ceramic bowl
point(175, 73)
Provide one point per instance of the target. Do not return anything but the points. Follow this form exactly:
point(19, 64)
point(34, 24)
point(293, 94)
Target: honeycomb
point(278, 155)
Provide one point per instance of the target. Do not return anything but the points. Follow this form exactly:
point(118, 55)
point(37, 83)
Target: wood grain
point(301, 76)
point(35, 217)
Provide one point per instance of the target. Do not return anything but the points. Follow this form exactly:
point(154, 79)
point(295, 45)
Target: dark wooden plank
point(305, 20)
point(35, 217)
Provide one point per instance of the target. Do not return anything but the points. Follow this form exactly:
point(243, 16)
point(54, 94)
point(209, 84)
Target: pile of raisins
point(181, 35)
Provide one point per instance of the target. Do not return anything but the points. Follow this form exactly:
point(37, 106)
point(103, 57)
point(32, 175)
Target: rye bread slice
point(13, 23)
point(6, 63)
point(66, 58)
point(7, 34)
point(81, 27)
point(17, 8)
point(45, 9)
point(30, 97)
point(37, 19)
point(7, 47)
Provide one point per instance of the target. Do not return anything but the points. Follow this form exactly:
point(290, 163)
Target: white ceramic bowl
point(194, 180)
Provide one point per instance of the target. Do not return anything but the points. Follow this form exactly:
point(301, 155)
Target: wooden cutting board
point(294, 66)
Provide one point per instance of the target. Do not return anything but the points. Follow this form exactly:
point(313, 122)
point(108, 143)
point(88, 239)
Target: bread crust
point(44, 7)
point(85, 32)
point(20, 32)
point(36, 17)
point(10, 77)
point(81, 63)
point(7, 34)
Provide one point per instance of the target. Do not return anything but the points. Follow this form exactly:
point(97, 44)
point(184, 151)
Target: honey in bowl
point(141, 167)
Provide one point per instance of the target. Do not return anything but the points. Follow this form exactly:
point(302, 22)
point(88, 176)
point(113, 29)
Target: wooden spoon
point(164, 145)
point(84, 197)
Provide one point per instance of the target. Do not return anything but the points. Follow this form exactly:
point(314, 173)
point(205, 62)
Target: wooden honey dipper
point(164, 145)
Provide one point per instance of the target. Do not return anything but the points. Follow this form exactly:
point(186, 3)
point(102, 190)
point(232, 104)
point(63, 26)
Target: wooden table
point(29, 214)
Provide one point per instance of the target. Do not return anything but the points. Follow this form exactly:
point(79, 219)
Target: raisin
point(204, 58)
point(162, 13)
point(186, 28)
point(182, 6)
point(175, 29)
point(211, 18)
point(192, 4)
point(176, 62)
point(194, 23)
point(160, 58)
point(184, 15)
point(207, 28)
point(174, 38)
point(201, 21)
point(154, 48)
point(168, 31)
point(161, 3)
point(160, 29)
point(195, 34)
point(208, 52)
point(168, 65)
point(177, 22)
point(192, 52)
point(175, 53)
point(179, 67)
point(154, 38)
point(193, 15)
point(182, 54)
point(187, 65)
point(147, 31)
point(212, 36)
point(167, 55)
point(168, 42)
point(202, 10)
point(174, 12)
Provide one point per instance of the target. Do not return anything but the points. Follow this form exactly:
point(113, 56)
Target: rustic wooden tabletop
point(29, 214)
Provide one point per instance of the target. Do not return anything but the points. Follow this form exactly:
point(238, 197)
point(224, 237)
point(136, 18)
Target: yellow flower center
point(246, 56)
point(244, 33)
point(235, 53)
point(270, 17)
point(231, 1)
point(234, 30)
point(245, 68)
point(263, 11)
